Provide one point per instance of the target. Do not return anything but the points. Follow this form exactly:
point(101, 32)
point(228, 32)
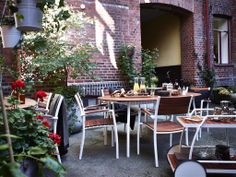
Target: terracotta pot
point(19, 96)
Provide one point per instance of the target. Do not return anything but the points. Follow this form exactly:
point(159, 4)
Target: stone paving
point(99, 160)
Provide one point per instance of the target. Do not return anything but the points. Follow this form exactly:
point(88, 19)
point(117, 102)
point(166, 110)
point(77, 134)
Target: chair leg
point(116, 135)
point(140, 129)
point(181, 138)
point(155, 149)
point(186, 136)
point(138, 133)
point(171, 139)
point(105, 135)
point(82, 144)
point(58, 155)
point(112, 137)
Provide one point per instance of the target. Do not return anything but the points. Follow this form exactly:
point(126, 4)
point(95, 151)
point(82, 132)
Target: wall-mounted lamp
point(82, 6)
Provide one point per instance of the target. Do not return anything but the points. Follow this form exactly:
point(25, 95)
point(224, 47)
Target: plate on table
point(137, 96)
point(194, 118)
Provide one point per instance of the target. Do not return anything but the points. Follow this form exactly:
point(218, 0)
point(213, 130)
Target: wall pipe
point(207, 34)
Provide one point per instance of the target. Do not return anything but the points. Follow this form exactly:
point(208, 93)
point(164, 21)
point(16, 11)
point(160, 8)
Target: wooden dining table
point(137, 101)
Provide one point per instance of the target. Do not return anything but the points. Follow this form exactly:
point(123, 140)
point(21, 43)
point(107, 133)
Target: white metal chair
point(164, 106)
point(52, 117)
point(108, 120)
point(43, 105)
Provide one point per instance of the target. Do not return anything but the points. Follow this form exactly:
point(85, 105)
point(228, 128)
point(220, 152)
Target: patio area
point(63, 60)
point(99, 160)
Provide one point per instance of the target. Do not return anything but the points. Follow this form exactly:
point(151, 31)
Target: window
point(221, 40)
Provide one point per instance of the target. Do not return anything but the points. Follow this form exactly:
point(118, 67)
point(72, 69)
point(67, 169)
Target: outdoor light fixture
point(82, 6)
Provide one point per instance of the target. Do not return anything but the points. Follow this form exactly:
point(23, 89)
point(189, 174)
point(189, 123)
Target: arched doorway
point(164, 27)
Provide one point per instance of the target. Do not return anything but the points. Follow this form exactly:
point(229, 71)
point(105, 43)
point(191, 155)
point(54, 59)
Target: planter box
point(10, 36)
point(32, 20)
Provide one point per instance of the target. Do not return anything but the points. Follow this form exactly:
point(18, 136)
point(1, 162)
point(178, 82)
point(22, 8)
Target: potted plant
point(126, 62)
point(221, 93)
point(148, 66)
point(33, 147)
point(10, 35)
point(28, 14)
point(49, 58)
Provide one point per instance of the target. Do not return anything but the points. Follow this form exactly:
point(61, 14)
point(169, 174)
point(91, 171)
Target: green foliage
point(148, 66)
point(49, 3)
point(49, 56)
point(207, 74)
point(31, 142)
point(69, 93)
point(31, 131)
point(222, 91)
point(53, 165)
point(126, 62)
point(8, 20)
point(11, 170)
point(232, 89)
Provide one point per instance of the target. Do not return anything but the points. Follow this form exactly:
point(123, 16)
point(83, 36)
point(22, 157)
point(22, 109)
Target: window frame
point(219, 32)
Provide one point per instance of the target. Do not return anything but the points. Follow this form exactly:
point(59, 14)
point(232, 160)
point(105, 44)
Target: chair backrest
point(54, 110)
point(55, 105)
point(46, 101)
point(174, 105)
point(80, 103)
point(105, 91)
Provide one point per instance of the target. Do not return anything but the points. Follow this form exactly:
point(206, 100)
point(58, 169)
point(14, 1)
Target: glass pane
point(224, 47)
point(216, 47)
point(221, 40)
point(220, 24)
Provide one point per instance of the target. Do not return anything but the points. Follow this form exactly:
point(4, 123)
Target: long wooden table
point(136, 100)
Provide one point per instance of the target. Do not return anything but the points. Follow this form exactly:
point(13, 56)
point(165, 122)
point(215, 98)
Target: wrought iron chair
point(108, 120)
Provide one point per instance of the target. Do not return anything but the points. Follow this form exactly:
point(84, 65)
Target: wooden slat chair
point(108, 120)
point(164, 106)
point(105, 91)
point(202, 102)
point(52, 117)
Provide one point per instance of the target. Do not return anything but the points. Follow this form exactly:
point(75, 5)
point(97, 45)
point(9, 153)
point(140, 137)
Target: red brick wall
point(224, 73)
point(187, 49)
point(116, 22)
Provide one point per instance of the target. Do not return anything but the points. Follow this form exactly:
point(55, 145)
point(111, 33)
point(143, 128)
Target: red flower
point(13, 86)
point(39, 117)
point(55, 137)
point(20, 84)
point(46, 123)
point(40, 94)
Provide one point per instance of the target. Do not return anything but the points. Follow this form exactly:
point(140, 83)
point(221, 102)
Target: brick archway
point(187, 5)
point(186, 69)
